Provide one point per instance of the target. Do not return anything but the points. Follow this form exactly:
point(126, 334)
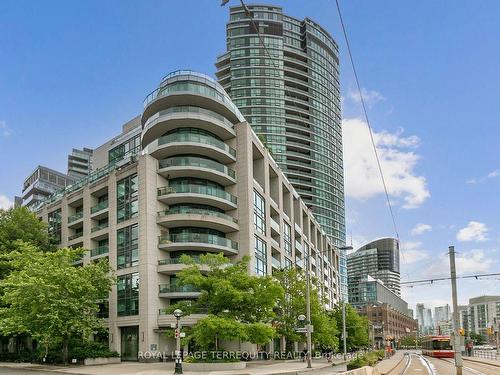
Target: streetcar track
point(474, 371)
point(428, 366)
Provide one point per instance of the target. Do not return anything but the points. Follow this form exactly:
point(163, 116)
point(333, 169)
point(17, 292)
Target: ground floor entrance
point(129, 343)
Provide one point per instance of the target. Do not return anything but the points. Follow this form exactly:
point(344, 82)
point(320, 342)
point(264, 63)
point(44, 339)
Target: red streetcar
point(437, 346)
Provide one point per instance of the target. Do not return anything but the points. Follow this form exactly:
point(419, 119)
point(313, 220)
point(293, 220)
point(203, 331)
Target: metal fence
point(486, 354)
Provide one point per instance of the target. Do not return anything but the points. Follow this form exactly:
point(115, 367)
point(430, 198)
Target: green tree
point(477, 339)
point(292, 303)
point(240, 305)
point(49, 298)
point(356, 327)
point(20, 224)
point(409, 341)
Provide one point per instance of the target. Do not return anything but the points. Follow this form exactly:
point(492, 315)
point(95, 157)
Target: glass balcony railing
point(196, 138)
point(197, 83)
point(197, 189)
point(198, 237)
point(196, 211)
point(99, 227)
point(194, 161)
point(167, 288)
point(190, 109)
point(177, 261)
point(99, 207)
point(75, 217)
point(100, 250)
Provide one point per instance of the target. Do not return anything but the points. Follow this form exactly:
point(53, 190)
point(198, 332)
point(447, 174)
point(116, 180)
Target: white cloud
point(370, 96)
point(474, 231)
point(411, 252)
point(5, 202)
point(4, 129)
point(467, 263)
point(398, 162)
point(420, 228)
point(492, 174)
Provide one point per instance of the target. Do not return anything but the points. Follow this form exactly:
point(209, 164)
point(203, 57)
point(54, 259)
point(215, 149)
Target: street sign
point(304, 329)
point(183, 334)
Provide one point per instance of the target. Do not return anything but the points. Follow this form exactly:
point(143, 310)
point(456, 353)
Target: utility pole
point(308, 312)
point(456, 328)
point(344, 334)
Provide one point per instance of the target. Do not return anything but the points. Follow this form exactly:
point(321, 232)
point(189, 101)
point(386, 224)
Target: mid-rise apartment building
point(289, 93)
point(189, 176)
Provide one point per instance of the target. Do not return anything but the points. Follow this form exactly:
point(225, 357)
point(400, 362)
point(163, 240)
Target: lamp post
point(344, 333)
point(178, 359)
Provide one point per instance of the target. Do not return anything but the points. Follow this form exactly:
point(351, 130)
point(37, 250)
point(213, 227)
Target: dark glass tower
point(289, 93)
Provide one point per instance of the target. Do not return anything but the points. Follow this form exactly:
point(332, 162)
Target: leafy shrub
point(215, 357)
point(80, 352)
point(23, 356)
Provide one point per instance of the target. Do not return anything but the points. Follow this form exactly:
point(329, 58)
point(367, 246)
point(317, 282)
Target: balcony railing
point(196, 310)
point(100, 250)
point(196, 138)
point(198, 237)
point(176, 261)
point(167, 288)
point(75, 217)
point(99, 207)
point(75, 236)
point(99, 227)
point(196, 211)
point(197, 189)
point(193, 161)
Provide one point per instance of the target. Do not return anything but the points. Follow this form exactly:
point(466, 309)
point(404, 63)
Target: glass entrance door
point(129, 343)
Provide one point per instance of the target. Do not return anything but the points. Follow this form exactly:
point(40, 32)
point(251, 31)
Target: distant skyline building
point(80, 163)
point(442, 313)
point(40, 184)
point(289, 93)
point(484, 315)
point(378, 259)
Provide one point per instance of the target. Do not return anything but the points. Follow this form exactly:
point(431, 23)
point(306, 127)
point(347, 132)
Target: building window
point(127, 247)
point(128, 294)
point(287, 238)
point(54, 227)
point(128, 148)
point(259, 213)
point(126, 198)
point(260, 257)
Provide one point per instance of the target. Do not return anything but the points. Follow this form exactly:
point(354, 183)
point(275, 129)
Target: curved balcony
point(197, 242)
point(173, 265)
point(188, 166)
point(197, 194)
point(198, 217)
point(187, 87)
point(176, 291)
point(192, 143)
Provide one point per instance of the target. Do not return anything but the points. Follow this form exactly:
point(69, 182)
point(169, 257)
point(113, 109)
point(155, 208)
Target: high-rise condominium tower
point(289, 93)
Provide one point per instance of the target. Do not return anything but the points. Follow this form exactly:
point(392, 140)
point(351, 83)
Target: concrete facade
point(191, 189)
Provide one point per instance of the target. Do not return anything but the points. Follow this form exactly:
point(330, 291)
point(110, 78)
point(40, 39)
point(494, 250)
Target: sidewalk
point(134, 368)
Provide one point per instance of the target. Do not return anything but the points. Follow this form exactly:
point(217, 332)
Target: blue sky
point(72, 72)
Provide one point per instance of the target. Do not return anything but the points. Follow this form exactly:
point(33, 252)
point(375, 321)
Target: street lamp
point(178, 359)
point(344, 333)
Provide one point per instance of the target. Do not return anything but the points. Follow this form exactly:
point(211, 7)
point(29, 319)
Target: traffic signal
point(462, 332)
point(489, 330)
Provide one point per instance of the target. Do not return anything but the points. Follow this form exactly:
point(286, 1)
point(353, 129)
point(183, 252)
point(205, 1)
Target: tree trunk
point(65, 349)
